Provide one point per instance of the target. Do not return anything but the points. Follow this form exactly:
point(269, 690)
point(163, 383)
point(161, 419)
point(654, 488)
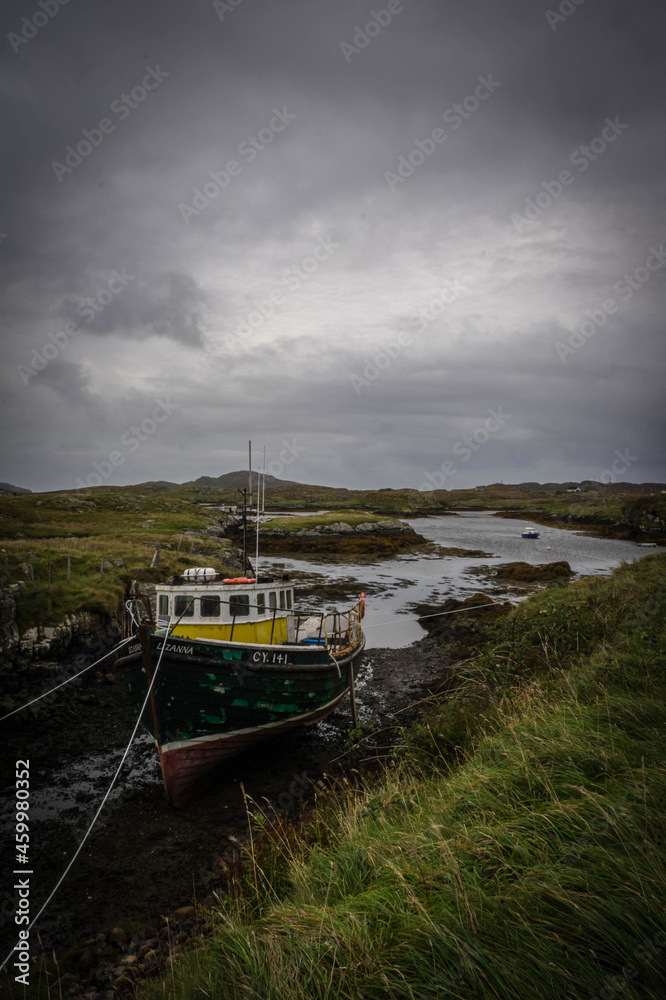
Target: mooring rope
point(103, 803)
point(438, 614)
point(62, 684)
point(393, 621)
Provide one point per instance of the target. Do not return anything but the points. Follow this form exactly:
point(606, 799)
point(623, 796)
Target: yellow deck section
point(251, 632)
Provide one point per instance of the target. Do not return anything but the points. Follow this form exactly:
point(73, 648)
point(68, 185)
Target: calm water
point(395, 586)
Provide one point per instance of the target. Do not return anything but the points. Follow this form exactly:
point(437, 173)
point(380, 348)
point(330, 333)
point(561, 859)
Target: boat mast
point(244, 495)
point(256, 555)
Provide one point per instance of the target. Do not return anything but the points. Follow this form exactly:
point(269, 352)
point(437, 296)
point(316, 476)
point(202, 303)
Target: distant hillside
point(7, 488)
point(238, 481)
point(153, 486)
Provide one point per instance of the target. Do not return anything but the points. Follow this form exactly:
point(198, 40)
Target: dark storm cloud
point(231, 308)
point(170, 305)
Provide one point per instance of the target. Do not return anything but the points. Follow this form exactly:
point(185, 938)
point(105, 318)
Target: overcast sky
point(361, 289)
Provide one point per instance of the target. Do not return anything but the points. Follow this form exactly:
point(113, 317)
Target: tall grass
point(46, 530)
point(524, 859)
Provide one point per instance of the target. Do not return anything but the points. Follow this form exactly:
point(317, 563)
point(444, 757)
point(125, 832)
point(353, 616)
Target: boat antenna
point(249, 468)
point(263, 492)
point(256, 557)
point(244, 494)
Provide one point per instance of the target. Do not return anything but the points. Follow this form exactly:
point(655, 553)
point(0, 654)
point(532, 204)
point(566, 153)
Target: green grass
point(42, 530)
point(514, 847)
point(296, 523)
point(94, 513)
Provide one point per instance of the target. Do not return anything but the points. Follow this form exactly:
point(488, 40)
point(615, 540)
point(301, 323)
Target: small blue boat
point(530, 533)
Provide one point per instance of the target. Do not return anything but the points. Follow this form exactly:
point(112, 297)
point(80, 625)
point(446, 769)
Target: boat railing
point(336, 630)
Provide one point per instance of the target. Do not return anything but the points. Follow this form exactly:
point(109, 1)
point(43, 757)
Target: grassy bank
point(45, 532)
point(310, 521)
point(514, 847)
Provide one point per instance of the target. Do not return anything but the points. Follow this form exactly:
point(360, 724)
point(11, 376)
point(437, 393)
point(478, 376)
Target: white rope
point(113, 781)
point(128, 608)
point(418, 618)
point(62, 684)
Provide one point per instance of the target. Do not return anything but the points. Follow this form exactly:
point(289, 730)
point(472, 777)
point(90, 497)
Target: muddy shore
point(146, 859)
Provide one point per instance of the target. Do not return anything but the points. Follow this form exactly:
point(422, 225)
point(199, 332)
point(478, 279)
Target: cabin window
point(282, 604)
point(184, 606)
point(261, 604)
point(164, 605)
point(272, 600)
point(288, 592)
point(239, 604)
point(210, 607)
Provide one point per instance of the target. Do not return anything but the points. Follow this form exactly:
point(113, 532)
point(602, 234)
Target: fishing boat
point(232, 664)
point(530, 533)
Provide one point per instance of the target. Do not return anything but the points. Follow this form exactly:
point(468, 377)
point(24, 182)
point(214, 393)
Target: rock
point(526, 572)
point(117, 937)
point(120, 563)
point(128, 960)
point(27, 570)
point(183, 914)
point(87, 959)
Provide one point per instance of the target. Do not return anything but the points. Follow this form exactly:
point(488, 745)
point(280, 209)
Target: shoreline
point(115, 956)
point(588, 524)
point(146, 861)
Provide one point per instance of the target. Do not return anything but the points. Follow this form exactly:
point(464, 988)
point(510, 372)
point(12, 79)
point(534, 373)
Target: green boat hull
point(211, 700)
